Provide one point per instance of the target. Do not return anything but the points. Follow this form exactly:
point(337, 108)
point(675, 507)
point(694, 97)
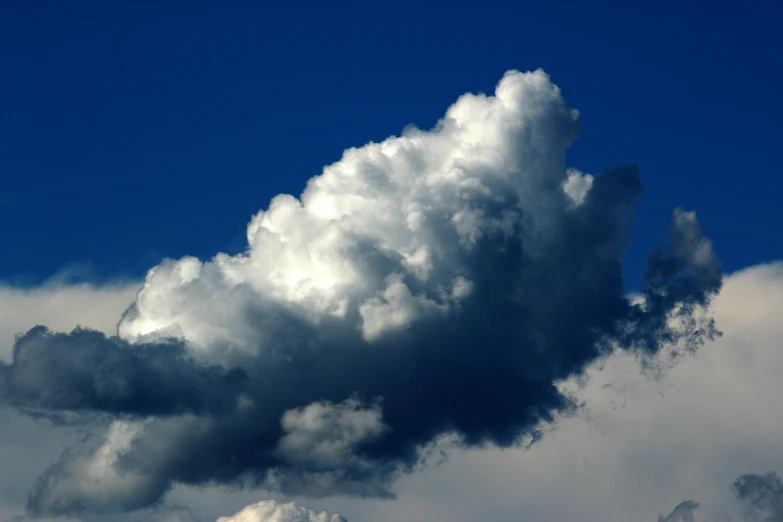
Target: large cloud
point(637, 448)
point(640, 445)
point(438, 282)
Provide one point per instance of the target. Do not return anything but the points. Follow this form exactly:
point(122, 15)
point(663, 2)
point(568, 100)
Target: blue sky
point(132, 133)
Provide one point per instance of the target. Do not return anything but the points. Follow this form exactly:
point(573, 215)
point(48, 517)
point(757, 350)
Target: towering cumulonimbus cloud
point(438, 282)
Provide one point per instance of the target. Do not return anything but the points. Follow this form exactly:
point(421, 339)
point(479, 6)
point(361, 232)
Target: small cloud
point(683, 512)
point(271, 511)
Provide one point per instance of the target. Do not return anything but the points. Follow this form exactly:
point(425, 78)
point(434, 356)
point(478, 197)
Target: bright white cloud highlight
point(411, 195)
point(271, 511)
point(324, 435)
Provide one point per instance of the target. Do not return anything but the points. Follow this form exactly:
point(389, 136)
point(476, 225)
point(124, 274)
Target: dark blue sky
point(129, 133)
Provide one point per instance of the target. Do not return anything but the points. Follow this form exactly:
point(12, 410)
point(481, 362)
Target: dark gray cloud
point(760, 498)
point(442, 285)
point(683, 512)
point(761, 495)
point(84, 371)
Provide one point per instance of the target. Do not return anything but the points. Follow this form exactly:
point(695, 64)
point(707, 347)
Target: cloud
point(170, 514)
point(635, 450)
point(27, 445)
point(85, 370)
point(444, 281)
point(683, 512)
point(640, 444)
point(271, 511)
point(324, 434)
point(762, 496)
point(61, 307)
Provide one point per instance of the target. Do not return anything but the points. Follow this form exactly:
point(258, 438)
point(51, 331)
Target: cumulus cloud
point(640, 444)
point(683, 512)
point(325, 435)
point(442, 281)
point(271, 511)
point(762, 496)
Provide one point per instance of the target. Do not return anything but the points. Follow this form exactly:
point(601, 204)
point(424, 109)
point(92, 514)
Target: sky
point(118, 119)
point(528, 267)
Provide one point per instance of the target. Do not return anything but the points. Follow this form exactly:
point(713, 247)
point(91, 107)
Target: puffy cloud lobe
point(453, 275)
point(323, 435)
point(89, 479)
point(86, 371)
point(762, 495)
point(271, 511)
point(683, 512)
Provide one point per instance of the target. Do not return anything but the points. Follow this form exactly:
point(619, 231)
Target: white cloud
point(577, 185)
point(420, 198)
point(92, 477)
point(324, 434)
point(271, 511)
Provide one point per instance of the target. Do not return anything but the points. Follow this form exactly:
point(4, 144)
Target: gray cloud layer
point(440, 282)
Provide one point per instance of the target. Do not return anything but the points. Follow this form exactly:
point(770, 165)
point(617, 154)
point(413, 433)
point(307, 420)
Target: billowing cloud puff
point(683, 512)
point(438, 282)
point(271, 511)
point(84, 370)
point(761, 495)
